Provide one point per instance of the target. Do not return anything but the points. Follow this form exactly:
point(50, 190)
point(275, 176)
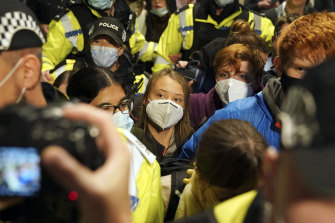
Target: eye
point(223, 75)
point(243, 76)
point(160, 95)
point(300, 69)
point(178, 100)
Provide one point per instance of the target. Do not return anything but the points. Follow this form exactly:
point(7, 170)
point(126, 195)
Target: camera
point(25, 131)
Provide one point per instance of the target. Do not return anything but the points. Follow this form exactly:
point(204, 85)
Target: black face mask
point(287, 82)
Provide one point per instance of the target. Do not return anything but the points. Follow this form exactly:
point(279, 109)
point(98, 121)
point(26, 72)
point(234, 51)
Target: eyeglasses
point(125, 106)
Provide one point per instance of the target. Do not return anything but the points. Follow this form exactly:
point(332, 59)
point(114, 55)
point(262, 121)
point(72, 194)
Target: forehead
point(300, 60)
point(104, 37)
point(245, 66)
point(168, 84)
point(112, 94)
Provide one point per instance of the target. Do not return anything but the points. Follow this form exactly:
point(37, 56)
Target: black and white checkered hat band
point(12, 22)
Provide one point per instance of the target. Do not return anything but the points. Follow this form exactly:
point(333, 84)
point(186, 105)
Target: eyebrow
point(167, 91)
point(103, 104)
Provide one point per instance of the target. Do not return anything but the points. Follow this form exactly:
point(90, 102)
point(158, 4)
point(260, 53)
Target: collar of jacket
point(273, 96)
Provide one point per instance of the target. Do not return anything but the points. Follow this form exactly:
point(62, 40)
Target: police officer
point(193, 26)
point(69, 34)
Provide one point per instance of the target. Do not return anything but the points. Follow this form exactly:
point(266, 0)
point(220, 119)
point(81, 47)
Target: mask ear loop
point(21, 95)
point(11, 72)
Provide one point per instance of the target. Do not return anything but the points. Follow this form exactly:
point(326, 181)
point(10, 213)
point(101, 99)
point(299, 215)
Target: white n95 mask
point(223, 3)
point(231, 89)
point(164, 113)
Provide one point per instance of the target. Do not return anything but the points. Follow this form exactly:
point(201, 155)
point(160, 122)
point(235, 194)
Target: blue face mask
point(104, 56)
point(160, 12)
point(100, 4)
point(123, 120)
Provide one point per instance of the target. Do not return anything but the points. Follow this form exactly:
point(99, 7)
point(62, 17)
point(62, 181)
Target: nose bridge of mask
point(166, 112)
point(240, 90)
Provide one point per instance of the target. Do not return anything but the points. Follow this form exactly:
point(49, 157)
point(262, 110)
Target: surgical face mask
point(231, 89)
point(100, 4)
point(7, 76)
point(160, 12)
point(223, 3)
point(123, 120)
point(164, 113)
point(104, 56)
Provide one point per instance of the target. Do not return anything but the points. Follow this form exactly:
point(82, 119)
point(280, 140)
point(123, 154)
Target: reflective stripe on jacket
point(146, 201)
point(179, 34)
point(65, 36)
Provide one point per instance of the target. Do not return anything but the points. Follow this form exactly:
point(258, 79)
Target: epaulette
point(74, 2)
point(181, 9)
point(60, 14)
point(253, 11)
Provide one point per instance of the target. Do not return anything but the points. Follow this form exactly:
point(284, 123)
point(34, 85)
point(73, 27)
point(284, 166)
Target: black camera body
point(27, 126)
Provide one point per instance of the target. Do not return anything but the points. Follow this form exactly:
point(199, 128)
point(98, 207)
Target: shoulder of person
point(178, 11)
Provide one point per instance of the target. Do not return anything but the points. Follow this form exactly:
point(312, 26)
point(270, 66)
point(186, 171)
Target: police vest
point(204, 33)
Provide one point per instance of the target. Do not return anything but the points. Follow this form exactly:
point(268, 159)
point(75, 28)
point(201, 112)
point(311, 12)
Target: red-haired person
point(238, 74)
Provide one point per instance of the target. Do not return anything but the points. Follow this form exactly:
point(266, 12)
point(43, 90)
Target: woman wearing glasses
point(103, 89)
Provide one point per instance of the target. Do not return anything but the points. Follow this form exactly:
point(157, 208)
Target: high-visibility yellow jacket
point(65, 36)
point(145, 191)
point(179, 34)
point(68, 66)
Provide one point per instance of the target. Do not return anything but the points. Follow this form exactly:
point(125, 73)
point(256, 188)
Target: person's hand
point(44, 28)
point(103, 193)
point(175, 58)
point(45, 77)
point(181, 64)
point(190, 172)
point(267, 4)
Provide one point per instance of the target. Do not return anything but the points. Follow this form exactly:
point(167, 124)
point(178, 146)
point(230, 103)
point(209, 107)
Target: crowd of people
point(203, 110)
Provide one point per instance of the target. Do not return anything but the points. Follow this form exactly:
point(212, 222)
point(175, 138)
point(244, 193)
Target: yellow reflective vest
point(65, 36)
point(68, 66)
point(179, 34)
point(145, 190)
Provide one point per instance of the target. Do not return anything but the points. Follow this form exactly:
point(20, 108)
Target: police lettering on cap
point(108, 26)
point(105, 24)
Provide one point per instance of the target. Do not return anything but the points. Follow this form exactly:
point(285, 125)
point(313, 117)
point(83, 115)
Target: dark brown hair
point(229, 155)
point(240, 32)
point(183, 128)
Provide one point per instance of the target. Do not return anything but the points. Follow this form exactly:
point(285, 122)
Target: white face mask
point(123, 120)
point(11, 72)
point(104, 56)
point(164, 113)
point(231, 89)
point(223, 3)
point(100, 4)
point(160, 12)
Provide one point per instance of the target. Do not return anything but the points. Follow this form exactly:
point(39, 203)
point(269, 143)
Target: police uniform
point(146, 201)
point(67, 36)
point(191, 27)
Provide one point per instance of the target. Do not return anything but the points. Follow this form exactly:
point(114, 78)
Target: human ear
point(277, 64)
point(270, 166)
point(31, 68)
point(120, 51)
